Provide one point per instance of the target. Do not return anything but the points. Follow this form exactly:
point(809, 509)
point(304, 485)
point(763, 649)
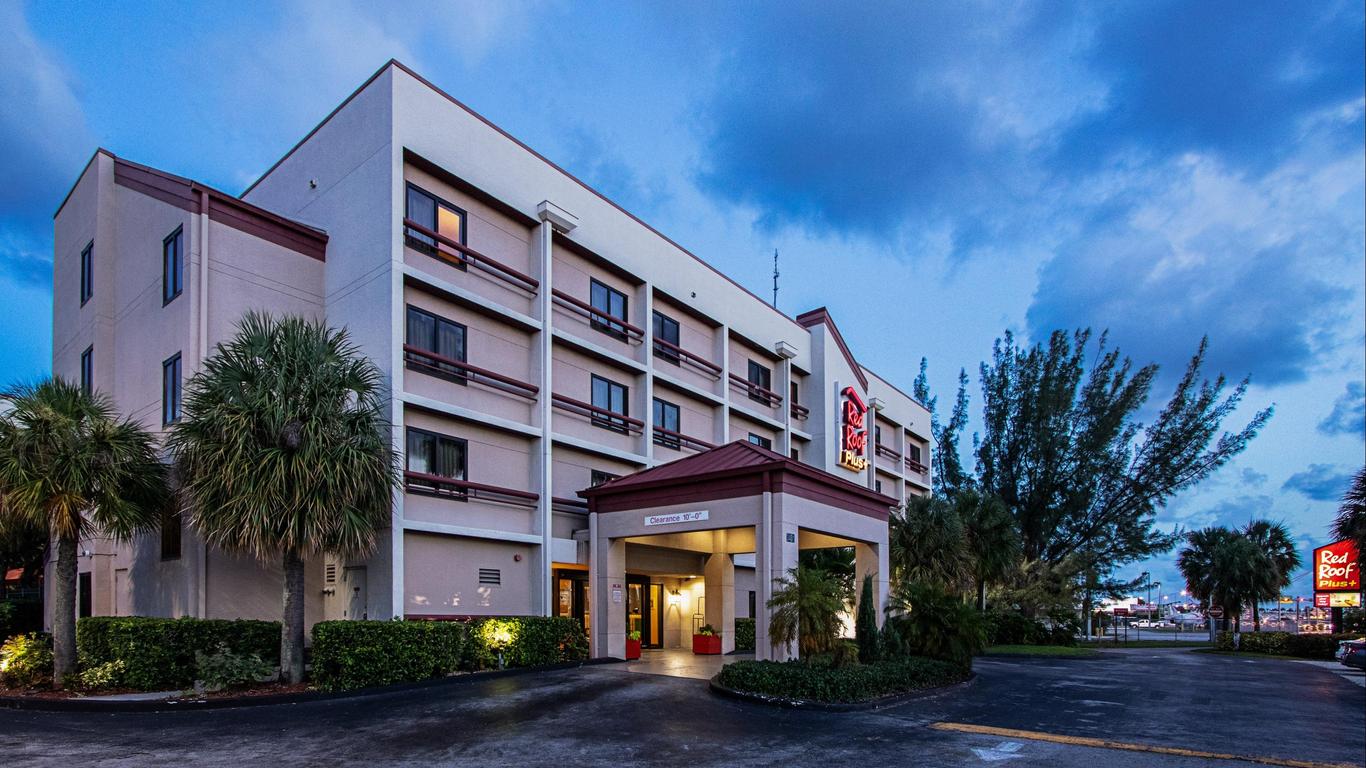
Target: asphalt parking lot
point(602, 715)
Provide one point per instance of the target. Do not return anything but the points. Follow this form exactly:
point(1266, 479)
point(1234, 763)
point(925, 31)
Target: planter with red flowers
point(705, 642)
point(633, 645)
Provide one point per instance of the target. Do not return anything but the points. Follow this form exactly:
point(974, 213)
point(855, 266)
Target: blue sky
point(1164, 170)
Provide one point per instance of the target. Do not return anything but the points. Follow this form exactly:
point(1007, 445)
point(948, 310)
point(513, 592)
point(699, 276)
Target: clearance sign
point(853, 431)
point(1337, 568)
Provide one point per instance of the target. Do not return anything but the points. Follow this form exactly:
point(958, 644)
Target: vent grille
point(491, 576)
point(330, 573)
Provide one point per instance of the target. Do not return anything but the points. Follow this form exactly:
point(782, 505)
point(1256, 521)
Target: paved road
point(606, 716)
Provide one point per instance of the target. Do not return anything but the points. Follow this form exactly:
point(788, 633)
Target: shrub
point(838, 684)
point(365, 654)
point(1013, 628)
point(526, 641)
point(18, 617)
point(865, 625)
point(159, 654)
point(1265, 642)
point(930, 621)
point(1320, 647)
point(26, 661)
point(107, 675)
point(744, 634)
point(225, 669)
point(1223, 641)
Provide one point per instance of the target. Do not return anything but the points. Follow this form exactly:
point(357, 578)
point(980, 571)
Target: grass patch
point(1042, 650)
point(852, 684)
point(1246, 654)
point(1148, 644)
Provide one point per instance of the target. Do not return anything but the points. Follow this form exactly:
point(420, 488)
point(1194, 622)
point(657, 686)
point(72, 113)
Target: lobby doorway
point(645, 610)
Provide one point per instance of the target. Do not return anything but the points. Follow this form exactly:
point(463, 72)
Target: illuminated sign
point(853, 432)
point(674, 518)
point(1337, 568)
point(1337, 600)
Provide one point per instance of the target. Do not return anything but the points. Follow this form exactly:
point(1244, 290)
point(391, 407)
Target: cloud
point(1348, 416)
point(1252, 477)
point(1321, 482)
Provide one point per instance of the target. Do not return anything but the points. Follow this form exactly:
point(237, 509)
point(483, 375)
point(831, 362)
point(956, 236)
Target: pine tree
point(865, 625)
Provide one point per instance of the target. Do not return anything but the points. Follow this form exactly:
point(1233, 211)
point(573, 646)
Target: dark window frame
point(172, 533)
point(913, 453)
point(660, 324)
point(597, 477)
point(764, 381)
point(616, 330)
point(661, 407)
point(459, 494)
point(761, 441)
point(87, 272)
point(172, 390)
point(439, 370)
point(173, 268)
point(419, 242)
point(88, 370)
point(608, 422)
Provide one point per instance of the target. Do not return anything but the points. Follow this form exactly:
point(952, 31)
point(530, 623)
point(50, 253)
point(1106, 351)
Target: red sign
point(1321, 601)
point(853, 432)
point(1120, 611)
point(1337, 568)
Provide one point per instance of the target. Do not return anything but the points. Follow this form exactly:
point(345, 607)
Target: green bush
point(1265, 642)
point(159, 654)
point(225, 669)
point(18, 617)
point(744, 634)
point(1013, 628)
point(365, 654)
point(1306, 646)
point(26, 661)
point(865, 625)
point(1223, 641)
point(1322, 647)
point(838, 684)
point(526, 641)
point(102, 676)
point(930, 621)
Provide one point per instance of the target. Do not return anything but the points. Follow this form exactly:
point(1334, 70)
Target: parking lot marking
point(1084, 741)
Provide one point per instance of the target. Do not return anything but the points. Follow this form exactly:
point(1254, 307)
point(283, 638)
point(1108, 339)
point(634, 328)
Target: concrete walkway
point(1353, 674)
point(681, 663)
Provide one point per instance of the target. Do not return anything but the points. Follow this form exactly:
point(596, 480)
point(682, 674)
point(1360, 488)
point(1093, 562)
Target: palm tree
point(1351, 521)
point(70, 466)
point(1224, 568)
point(284, 453)
point(806, 608)
point(1280, 557)
point(991, 538)
point(928, 543)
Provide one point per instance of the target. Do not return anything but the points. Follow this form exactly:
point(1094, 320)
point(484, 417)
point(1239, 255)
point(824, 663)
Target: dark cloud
point(1252, 477)
point(1348, 416)
point(1321, 482)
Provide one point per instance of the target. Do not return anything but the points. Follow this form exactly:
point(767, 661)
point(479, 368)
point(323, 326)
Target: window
point(172, 266)
point(170, 534)
point(85, 607)
point(436, 456)
point(759, 376)
point(795, 454)
point(666, 417)
point(913, 452)
point(491, 576)
point(877, 486)
point(610, 396)
point(598, 477)
point(88, 369)
point(792, 394)
point(442, 338)
point(87, 272)
point(752, 614)
point(877, 434)
point(761, 441)
point(437, 215)
point(170, 390)
point(610, 304)
point(666, 330)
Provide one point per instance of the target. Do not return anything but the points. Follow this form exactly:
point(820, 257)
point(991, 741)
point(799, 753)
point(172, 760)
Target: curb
point(818, 706)
point(1097, 656)
point(194, 705)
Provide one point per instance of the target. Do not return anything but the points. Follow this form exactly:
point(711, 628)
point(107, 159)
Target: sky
point(1162, 170)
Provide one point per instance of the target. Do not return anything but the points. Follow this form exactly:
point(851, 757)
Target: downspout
point(202, 320)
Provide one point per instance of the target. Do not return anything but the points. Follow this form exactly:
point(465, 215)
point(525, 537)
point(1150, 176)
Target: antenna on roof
point(775, 278)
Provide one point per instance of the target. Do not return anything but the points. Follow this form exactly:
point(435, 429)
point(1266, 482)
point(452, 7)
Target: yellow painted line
point(1083, 741)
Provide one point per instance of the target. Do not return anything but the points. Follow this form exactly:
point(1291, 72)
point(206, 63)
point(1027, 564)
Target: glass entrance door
point(645, 611)
point(572, 596)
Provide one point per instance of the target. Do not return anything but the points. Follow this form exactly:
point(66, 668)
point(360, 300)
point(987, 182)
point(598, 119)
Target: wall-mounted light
point(675, 597)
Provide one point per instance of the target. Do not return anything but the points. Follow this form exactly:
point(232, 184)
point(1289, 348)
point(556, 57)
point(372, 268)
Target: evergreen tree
point(865, 624)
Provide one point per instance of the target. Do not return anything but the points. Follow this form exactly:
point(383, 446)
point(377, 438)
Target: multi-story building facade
point(537, 339)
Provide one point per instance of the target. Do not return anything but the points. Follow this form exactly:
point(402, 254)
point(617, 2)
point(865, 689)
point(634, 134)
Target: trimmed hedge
point(838, 684)
point(159, 654)
point(744, 634)
point(365, 654)
point(1011, 628)
point(1321, 647)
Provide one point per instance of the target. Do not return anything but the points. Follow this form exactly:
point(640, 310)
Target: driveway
point(605, 715)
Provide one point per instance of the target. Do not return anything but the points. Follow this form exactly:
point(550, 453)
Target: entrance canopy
point(734, 499)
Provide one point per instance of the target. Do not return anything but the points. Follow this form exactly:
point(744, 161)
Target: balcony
point(766, 396)
point(667, 350)
point(438, 365)
point(572, 506)
point(464, 490)
point(915, 466)
point(888, 453)
point(677, 440)
point(601, 417)
point(597, 317)
point(462, 256)
point(800, 412)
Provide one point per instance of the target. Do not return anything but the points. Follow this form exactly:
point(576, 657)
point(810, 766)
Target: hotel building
point(538, 341)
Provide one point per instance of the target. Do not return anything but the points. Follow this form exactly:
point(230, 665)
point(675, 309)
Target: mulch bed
point(265, 689)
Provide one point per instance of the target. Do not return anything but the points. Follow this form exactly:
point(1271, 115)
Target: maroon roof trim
point(223, 208)
point(822, 315)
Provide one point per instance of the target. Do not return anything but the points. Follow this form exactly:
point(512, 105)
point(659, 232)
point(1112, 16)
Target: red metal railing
point(577, 506)
point(451, 487)
point(914, 465)
point(886, 452)
point(422, 358)
point(671, 439)
point(668, 350)
point(466, 255)
point(800, 411)
point(596, 315)
point(773, 399)
point(612, 419)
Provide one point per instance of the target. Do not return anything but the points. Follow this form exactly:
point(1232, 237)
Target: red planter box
point(706, 645)
point(632, 649)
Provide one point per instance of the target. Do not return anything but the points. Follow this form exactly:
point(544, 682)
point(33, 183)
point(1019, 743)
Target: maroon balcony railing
point(465, 255)
point(577, 506)
point(600, 416)
point(768, 396)
point(888, 453)
point(800, 412)
point(670, 351)
point(423, 359)
point(914, 465)
point(451, 487)
point(671, 439)
point(596, 315)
